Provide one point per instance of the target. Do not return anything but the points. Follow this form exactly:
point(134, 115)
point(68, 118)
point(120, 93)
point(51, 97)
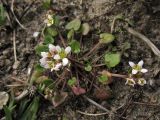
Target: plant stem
point(119, 75)
point(93, 49)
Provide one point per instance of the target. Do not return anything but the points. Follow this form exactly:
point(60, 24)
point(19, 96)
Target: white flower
point(49, 21)
point(137, 67)
point(35, 34)
point(141, 81)
point(130, 81)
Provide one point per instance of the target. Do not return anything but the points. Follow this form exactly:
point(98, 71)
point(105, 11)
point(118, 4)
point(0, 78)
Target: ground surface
point(145, 15)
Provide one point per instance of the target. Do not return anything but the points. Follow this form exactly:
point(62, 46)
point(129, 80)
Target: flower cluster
point(56, 58)
point(49, 21)
point(136, 74)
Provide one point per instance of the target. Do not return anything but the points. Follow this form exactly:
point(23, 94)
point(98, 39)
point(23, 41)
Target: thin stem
point(119, 75)
point(93, 49)
point(62, 39)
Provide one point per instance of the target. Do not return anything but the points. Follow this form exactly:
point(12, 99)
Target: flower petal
point(65, 61)
point(68, 50)
point(44, 63)
point(35, 34)
point(58, 48)
point(134, 71)
point(140, 63)
point(57, 57)
point(131, 64)
point(44, 54)
point(52, 48)
point(144, 70)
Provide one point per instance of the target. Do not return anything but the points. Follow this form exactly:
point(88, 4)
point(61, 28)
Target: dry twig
point(14, 46)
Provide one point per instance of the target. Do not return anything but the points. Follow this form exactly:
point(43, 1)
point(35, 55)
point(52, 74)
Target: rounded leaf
point(85, 28)
point(112, 59)
point(74, 24)
point(106, 38)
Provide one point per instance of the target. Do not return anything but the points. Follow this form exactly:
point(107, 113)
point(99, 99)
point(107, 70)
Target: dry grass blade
point(145, 39)
point(90, 114)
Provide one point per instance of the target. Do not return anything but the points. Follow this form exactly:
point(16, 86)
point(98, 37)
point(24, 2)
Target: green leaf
point(112, 59)
point(47, 82)
point(75, 46)
point(70, 34)
point(106, 38)
point(88, 67)
point(103, 79)
point(74, 24)
point(41, 48)
point(8, 113)
point(22, 107)
point(2, 15)
point(56, 20)
point(39, 68)
point(51, 31)
point(72, 82)
point(46, 4)
point(31, 111)
point(9, 110)
point(48, 39)
point(85, 28)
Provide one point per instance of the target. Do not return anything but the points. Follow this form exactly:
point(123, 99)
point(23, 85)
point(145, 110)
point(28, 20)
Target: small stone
point(16, 64)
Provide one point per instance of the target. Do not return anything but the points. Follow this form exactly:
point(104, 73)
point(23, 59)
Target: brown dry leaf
point(59, 98)
point(103, 93)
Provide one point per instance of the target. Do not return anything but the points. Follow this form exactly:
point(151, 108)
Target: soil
point(126, 100)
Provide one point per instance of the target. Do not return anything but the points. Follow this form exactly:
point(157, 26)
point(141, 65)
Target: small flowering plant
point(136, 76)
point(67, 63)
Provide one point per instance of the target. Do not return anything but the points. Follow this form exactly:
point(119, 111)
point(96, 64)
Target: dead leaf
point(103, 93)
point(78, 90)
point(59, 98)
